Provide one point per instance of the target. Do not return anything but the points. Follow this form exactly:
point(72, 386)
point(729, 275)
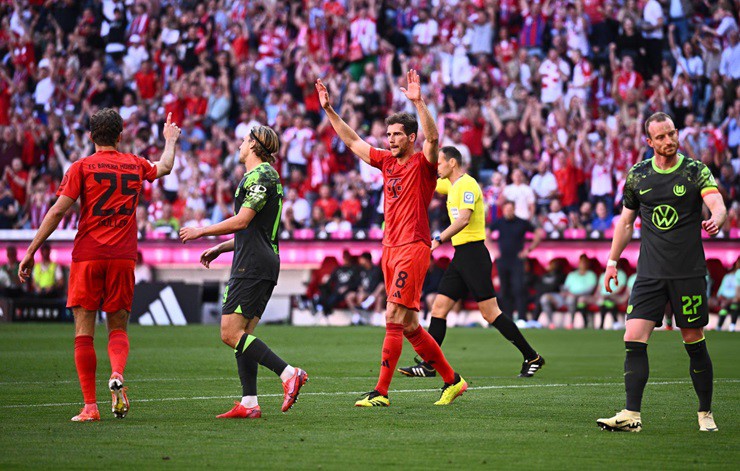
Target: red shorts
point(101, 284)
point(404, 269)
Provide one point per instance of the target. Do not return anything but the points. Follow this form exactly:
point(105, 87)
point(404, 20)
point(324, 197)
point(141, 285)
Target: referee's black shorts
point(469, 270)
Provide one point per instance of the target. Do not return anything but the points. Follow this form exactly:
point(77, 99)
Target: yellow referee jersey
point(465, 193)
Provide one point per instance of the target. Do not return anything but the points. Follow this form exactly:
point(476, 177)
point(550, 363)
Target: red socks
point(86, 362)
point(392, 346)
point(118, 347)
point(429, 351)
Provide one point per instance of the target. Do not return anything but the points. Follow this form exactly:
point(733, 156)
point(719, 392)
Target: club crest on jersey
point(664, 217)
point(468, 197)
point(679, 190)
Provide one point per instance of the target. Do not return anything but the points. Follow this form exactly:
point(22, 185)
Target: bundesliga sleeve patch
point(468, 197)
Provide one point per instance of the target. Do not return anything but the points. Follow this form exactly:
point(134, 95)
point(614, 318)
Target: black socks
point(636, 372)
point(700, 369)
point(249, 352)
point(438, 329)
point(511, 332)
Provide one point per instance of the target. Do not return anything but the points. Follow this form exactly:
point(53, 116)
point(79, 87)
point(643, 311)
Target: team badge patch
point(468, 197)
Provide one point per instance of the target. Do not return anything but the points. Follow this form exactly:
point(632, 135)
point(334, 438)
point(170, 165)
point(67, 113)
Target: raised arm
point(622, 236)
point(359, 147)
point(167, 161)
point(428, 126)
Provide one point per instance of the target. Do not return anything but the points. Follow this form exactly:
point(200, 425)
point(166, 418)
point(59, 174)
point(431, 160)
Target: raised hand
point(171, 132)
point(323, 94)
point(413, 92)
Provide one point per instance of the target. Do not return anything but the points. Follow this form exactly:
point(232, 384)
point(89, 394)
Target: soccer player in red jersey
point(101, 276)
point(409, 182)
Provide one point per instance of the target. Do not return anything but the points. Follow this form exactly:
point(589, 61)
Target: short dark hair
point(507, 202)
point(367, 256)
point(451, 153)
point(105, 127)
point(658, 117)
point(407, 120)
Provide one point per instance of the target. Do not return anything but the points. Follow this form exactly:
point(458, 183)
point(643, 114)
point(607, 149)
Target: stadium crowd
point(545, 99)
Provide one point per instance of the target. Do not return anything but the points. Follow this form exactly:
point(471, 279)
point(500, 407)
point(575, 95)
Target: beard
point(670, 151)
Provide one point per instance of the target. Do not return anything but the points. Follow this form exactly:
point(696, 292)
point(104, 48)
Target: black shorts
point(687, 298)
point(470, 269)
point(246, 296)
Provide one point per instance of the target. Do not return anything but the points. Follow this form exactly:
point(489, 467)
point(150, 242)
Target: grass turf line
point(545, 422)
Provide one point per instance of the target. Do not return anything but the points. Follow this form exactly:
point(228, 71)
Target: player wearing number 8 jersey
point(409, 181)
point(101, 276)
point(470, 268)
point(668, 191)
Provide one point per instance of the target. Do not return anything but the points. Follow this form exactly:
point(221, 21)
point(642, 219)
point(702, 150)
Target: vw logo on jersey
point(664, 217)
point(679, 190)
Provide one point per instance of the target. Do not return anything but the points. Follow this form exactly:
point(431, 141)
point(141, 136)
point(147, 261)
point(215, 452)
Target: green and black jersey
point(256, 252)
point(669, 204)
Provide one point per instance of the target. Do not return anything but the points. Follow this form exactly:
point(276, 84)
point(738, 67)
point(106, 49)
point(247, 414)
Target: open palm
point(413, 92)
point(323, 94)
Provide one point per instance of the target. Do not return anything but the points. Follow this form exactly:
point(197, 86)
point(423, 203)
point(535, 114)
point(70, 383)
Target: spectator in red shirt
point(6, 91)
point(567, 178)
point(17, 179)
point(196, 104)
point(351, 207)
point(146, 82)
point(326, 201)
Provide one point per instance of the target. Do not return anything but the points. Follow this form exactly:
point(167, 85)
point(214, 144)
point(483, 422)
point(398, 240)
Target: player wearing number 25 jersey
point(108, 184)
point(409, 179)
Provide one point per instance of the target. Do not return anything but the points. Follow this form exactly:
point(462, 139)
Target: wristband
point(611, 263)
point(438, 239)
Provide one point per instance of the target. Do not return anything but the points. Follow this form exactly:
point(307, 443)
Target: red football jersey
point(408, 190)
point(108, 184)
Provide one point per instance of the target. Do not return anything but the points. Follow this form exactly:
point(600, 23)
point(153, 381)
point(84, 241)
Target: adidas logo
point(397, 294)
point(385, 363)
point(164, 311)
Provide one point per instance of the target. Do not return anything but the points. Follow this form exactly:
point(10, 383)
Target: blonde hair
point(268, 143)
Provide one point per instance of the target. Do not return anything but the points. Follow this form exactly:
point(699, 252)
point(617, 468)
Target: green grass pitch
point(180, 378)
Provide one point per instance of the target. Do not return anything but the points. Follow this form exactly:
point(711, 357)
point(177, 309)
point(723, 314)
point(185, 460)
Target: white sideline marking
point(229, 378)
point(346, 393)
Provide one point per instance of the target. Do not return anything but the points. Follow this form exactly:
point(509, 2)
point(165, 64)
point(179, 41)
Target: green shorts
point(246, 296)
point(687, 298)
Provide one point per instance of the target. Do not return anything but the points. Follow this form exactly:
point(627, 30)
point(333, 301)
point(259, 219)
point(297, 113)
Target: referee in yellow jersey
point(471, 266)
